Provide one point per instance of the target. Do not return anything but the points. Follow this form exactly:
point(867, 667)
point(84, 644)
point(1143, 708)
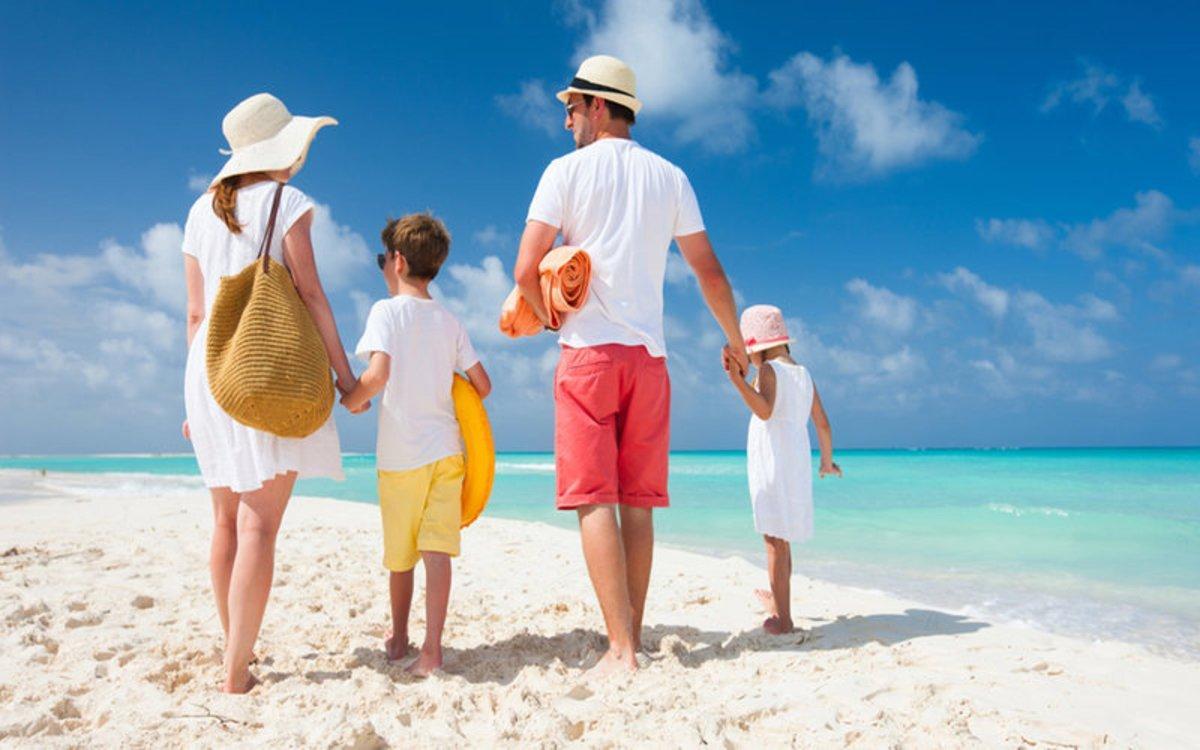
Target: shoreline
point(111, 636)
point(909, 585)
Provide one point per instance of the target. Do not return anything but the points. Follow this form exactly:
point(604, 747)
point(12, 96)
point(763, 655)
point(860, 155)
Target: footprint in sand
point(85, 621)
point(142, 601)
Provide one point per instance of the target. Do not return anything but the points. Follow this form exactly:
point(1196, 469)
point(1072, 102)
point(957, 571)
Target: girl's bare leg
point(259, 516)
point(779, 571)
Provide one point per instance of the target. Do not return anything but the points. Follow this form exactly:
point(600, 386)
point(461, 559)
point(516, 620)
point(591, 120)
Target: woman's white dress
point(231, 454)
point(779, 459)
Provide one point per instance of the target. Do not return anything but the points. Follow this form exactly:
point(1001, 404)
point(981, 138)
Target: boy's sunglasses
point(381, 259)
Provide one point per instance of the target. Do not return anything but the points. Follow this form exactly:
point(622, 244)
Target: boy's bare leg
point(437, 598)
point(259, 515)
point(605, 556)
point(779, 571)
point(637, 537)
point(400, 591)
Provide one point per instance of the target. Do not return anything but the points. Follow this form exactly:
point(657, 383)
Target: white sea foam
point(1012, 510)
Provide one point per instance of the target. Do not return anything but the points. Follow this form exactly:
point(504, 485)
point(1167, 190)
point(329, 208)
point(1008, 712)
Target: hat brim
point(622, 99)
point(769, 344)
point(280, 151)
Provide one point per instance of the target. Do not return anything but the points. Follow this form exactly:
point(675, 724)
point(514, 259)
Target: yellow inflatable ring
point(479, 451)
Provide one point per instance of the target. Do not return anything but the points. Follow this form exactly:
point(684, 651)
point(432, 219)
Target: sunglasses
point(381, 259)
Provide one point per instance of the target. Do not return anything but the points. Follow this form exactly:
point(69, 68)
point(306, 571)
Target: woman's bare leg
point(223, 549)
point(259, 516)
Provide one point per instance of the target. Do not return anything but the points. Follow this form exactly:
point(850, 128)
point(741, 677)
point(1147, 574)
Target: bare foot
point(396, 647)
point(613, 662)
point(241, 686)
point(767, 600)
point(777, 626)
point(425, 665)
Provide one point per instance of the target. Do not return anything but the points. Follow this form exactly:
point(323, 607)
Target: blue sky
point(981, 219)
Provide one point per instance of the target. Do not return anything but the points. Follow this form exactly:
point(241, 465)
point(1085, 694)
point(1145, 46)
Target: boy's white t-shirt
point(427, 345)
point(623, 204)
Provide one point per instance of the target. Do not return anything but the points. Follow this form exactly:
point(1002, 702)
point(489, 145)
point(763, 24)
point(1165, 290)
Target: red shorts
point(612, 413)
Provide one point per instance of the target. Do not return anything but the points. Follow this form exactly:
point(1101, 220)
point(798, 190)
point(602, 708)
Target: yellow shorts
point(422, 511)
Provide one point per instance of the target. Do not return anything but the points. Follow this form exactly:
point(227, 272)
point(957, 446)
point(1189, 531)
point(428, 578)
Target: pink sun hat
point(763, 327)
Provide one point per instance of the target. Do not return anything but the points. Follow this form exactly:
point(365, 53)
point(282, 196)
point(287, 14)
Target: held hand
point(187, 431)
point(829, 468)
point(734, 369)
point(361, 408)
point(741, 358)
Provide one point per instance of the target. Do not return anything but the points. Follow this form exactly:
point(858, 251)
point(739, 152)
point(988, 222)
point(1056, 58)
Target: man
point(623, 204)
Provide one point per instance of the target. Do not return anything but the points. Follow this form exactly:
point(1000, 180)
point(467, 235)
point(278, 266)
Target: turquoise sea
point(1101, 543)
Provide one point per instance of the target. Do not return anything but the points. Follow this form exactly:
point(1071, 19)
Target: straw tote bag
point(267, 366)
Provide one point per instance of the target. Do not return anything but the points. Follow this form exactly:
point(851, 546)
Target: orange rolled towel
point(565, 274)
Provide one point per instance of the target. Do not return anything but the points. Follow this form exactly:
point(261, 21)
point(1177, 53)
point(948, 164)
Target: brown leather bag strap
point(264, 250)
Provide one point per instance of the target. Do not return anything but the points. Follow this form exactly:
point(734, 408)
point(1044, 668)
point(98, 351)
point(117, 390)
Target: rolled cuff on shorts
point(571, 502)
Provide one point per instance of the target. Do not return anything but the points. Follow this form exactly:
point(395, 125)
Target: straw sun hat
point(263, 136)
point(605, 77)
point(763, 327)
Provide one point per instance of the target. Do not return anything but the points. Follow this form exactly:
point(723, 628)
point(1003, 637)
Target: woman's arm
point(195, 295)
point(824, 436)
point(373, 379)
point(479, 378)
point(297, 246)
point(761, 400)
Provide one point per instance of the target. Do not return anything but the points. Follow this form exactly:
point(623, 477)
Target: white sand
point(110, 638)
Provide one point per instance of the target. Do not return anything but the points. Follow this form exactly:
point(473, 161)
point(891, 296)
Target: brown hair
point(422, 240)
point(224, 200)
point(616, 111)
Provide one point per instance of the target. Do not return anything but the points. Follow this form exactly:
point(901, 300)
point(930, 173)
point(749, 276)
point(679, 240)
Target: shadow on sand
point(502, 661)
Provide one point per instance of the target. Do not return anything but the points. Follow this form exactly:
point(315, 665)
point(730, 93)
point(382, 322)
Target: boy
point(413, 346)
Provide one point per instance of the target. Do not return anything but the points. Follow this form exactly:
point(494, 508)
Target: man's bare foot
point(767, 600)
point(777, 626)
point(240, 686)
point(396, 647)
point(613, 662)
point(426, 664)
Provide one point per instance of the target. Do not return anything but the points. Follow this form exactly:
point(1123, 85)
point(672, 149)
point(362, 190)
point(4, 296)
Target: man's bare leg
point(637, 537)
point(603, 551)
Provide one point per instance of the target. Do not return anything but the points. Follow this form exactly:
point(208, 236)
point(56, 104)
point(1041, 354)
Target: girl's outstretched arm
point(820, 421)
point(761, 400)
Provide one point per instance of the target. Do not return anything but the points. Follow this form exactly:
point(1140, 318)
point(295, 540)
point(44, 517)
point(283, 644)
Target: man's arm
point(537, 240)
point(714, 286)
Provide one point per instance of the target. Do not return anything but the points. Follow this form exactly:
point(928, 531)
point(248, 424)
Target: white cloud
point(1033, 234)
point(866, 126)
point(491, 237)
point(680, 59)
point(1097, 87)
point(535, 107)
point(198, 183)
point(1194, 153)
point(991, 298)
point(338, 249)
point(1058, 334)
point(1166, 362)
point(156, 268)
point(883, 307)
point(1151, 218)
point(479, 293)
point(678, 272)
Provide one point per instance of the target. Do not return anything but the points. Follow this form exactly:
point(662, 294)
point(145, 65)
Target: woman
point(251, 473)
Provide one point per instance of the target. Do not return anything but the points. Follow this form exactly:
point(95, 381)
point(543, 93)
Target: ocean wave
point(1012, 510)
point(510, 467)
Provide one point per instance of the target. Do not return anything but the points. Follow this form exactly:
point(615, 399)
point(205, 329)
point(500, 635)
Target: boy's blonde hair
point(422, 240)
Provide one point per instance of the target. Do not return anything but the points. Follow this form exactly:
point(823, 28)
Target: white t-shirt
point(427, 344)
point(623, 204)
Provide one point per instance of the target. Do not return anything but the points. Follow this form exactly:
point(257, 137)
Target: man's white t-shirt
point(623, 204)
point(427, 345)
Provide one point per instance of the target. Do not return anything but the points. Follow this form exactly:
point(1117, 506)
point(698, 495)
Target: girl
point(250, 473)
point(778, 457)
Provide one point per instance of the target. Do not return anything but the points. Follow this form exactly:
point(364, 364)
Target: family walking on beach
point(613, 198)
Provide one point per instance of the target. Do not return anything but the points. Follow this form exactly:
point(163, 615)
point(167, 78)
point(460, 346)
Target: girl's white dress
point(779, 459)
point(231, 454)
